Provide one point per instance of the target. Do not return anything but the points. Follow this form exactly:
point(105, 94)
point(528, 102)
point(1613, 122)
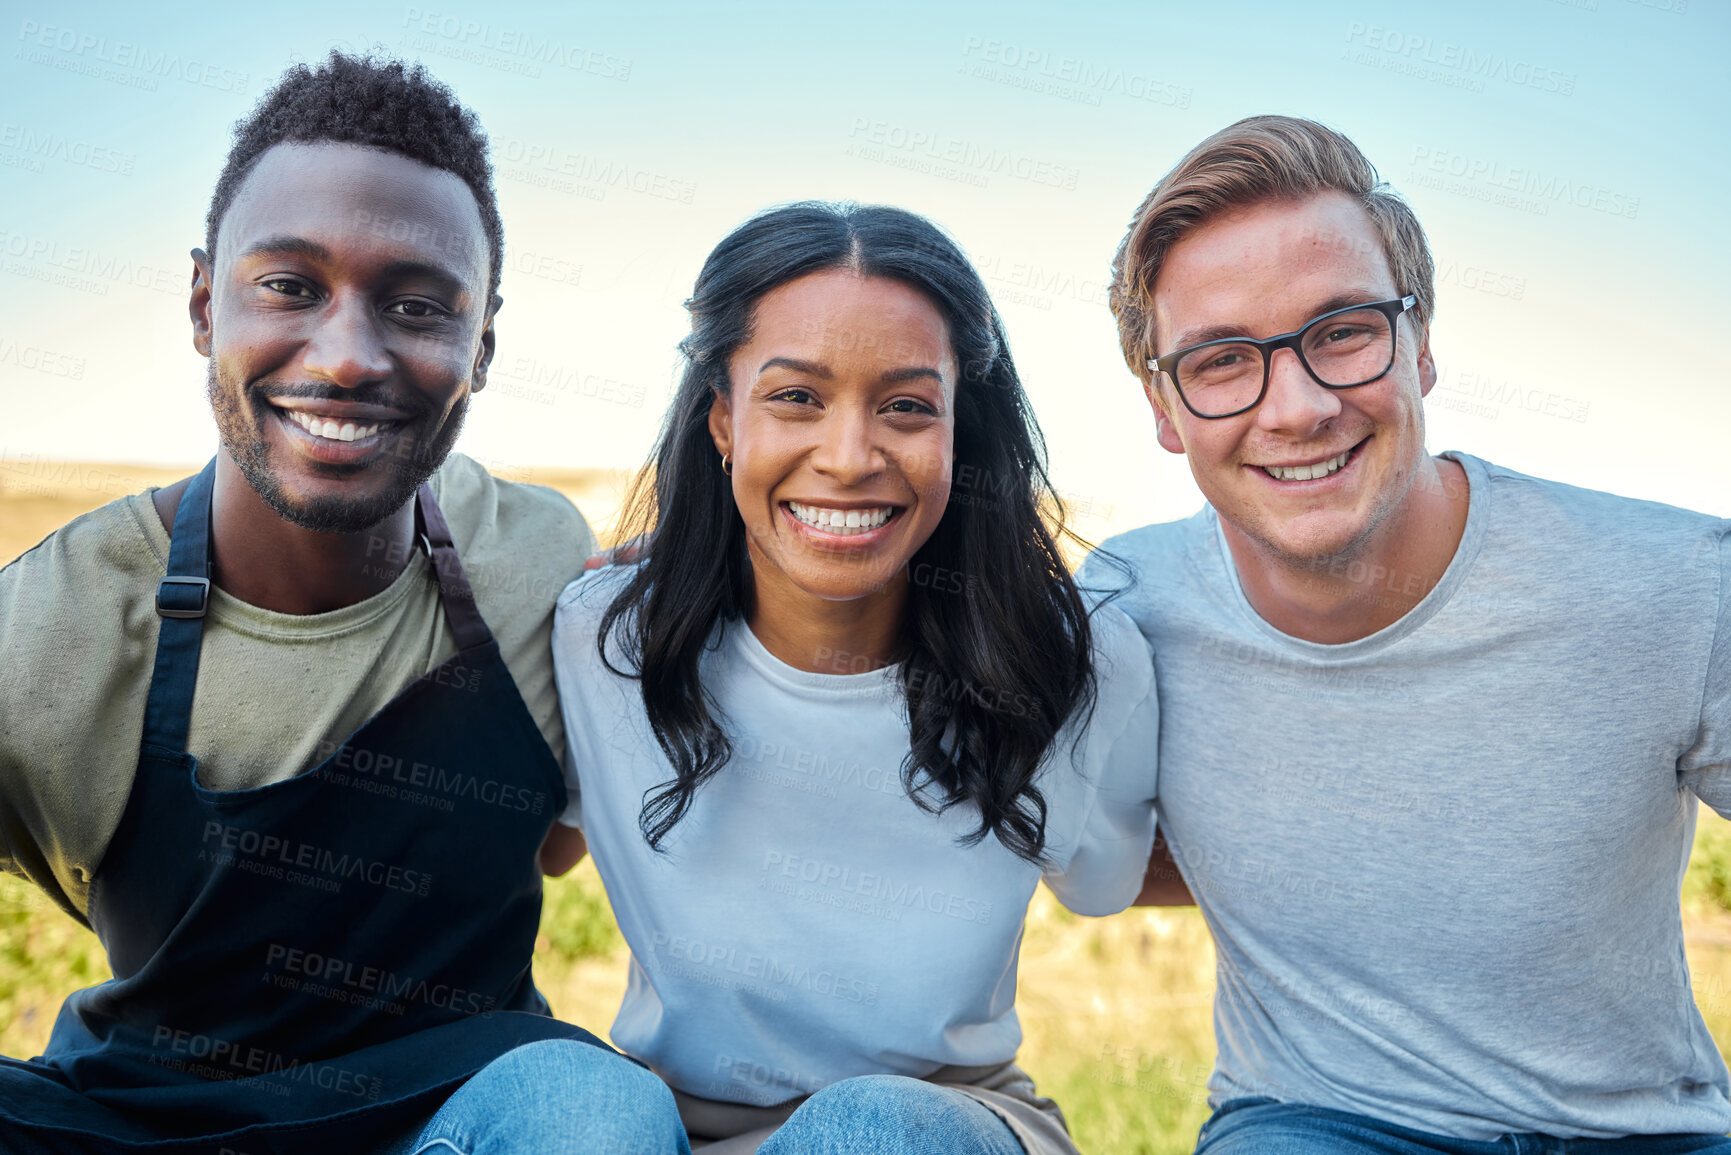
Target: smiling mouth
point(328, 430)
point(843, 522)
point(1314, 472)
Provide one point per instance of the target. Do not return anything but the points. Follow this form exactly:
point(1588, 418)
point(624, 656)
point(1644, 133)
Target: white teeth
point(1306, 472)
point(841, 521)
point(330, 430)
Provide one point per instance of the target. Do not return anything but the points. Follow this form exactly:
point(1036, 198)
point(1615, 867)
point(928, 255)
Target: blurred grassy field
point(1115, 1010)
point(38, 496)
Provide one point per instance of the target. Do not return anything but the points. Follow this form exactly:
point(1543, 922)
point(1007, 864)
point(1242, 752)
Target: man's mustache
point(379, 394)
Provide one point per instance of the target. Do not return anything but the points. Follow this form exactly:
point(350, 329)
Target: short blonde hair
point(1261, 158)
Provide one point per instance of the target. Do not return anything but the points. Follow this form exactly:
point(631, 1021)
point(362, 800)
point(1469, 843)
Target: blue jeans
point(557, 1097)
point(891, 1115)
point(1266, 1127)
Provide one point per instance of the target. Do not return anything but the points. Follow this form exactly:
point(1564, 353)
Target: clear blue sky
point(1569, 160)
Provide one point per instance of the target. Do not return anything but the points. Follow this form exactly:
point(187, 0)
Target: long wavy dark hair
point(989, 678)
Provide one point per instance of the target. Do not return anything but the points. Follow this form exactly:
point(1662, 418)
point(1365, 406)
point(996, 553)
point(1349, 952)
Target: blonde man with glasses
point(1432, 731)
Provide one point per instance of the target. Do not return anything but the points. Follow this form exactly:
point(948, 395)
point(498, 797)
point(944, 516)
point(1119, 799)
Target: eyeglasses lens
point(1341, 350)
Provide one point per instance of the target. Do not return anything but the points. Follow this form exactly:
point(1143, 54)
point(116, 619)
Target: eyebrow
point(813, 369)
point(286, 246)
point(447, 280)
point(809, 368)
point(1221, 332)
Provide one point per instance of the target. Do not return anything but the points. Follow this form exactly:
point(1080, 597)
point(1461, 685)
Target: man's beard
point(239, 413)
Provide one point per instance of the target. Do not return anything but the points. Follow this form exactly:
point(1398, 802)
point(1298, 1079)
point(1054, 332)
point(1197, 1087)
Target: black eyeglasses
point(1342, 349)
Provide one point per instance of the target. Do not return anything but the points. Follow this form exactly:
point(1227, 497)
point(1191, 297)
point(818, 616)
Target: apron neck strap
point(468, 628)
point(182, 597)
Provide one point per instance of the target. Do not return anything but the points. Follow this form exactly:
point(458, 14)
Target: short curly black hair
point(380, 103)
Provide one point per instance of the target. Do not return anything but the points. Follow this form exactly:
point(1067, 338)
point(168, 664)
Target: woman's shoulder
point(582, 606)
point(1125, 697)
point(1120, 651)
point(594, 590)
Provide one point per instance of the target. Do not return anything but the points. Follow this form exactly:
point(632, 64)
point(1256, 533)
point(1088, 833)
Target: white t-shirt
point(807, 921)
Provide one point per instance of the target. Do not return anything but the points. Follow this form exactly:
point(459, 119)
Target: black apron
point(314, 964)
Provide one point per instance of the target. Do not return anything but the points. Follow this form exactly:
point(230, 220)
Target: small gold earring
point(727, 465)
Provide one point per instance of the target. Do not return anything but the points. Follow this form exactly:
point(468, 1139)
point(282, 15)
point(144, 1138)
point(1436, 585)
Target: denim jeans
point(1265, 1127)
point(556, 1097)
point(891, 1115)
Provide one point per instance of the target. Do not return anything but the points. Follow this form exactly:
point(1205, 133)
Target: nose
point(847, 448)
point(346, 347)
point(1294, 404)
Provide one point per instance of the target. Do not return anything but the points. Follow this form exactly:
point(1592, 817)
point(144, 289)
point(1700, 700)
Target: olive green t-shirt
point(276, 692)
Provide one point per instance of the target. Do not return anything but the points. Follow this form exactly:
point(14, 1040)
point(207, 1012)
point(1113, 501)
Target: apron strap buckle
point(182, 597)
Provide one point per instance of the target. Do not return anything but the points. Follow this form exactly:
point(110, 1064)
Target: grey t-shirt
point(1441, 863)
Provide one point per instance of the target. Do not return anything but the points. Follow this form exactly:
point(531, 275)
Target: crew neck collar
point(738, 636)
point(244, 617)
point(1472, 537)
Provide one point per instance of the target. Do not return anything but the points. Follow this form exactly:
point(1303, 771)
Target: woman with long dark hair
point(849, 707)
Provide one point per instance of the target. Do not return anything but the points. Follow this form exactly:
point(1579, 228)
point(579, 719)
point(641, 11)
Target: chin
point(334, 512)
point(351, 504)
point(843, 583)
point(1311, 545)
point(347, 499)
point(839, 590)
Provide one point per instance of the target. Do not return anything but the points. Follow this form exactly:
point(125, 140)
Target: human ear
point(1426, 368)
point(484, 354)
point(1166, 431)
point(721, 421)
point(198, 305)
